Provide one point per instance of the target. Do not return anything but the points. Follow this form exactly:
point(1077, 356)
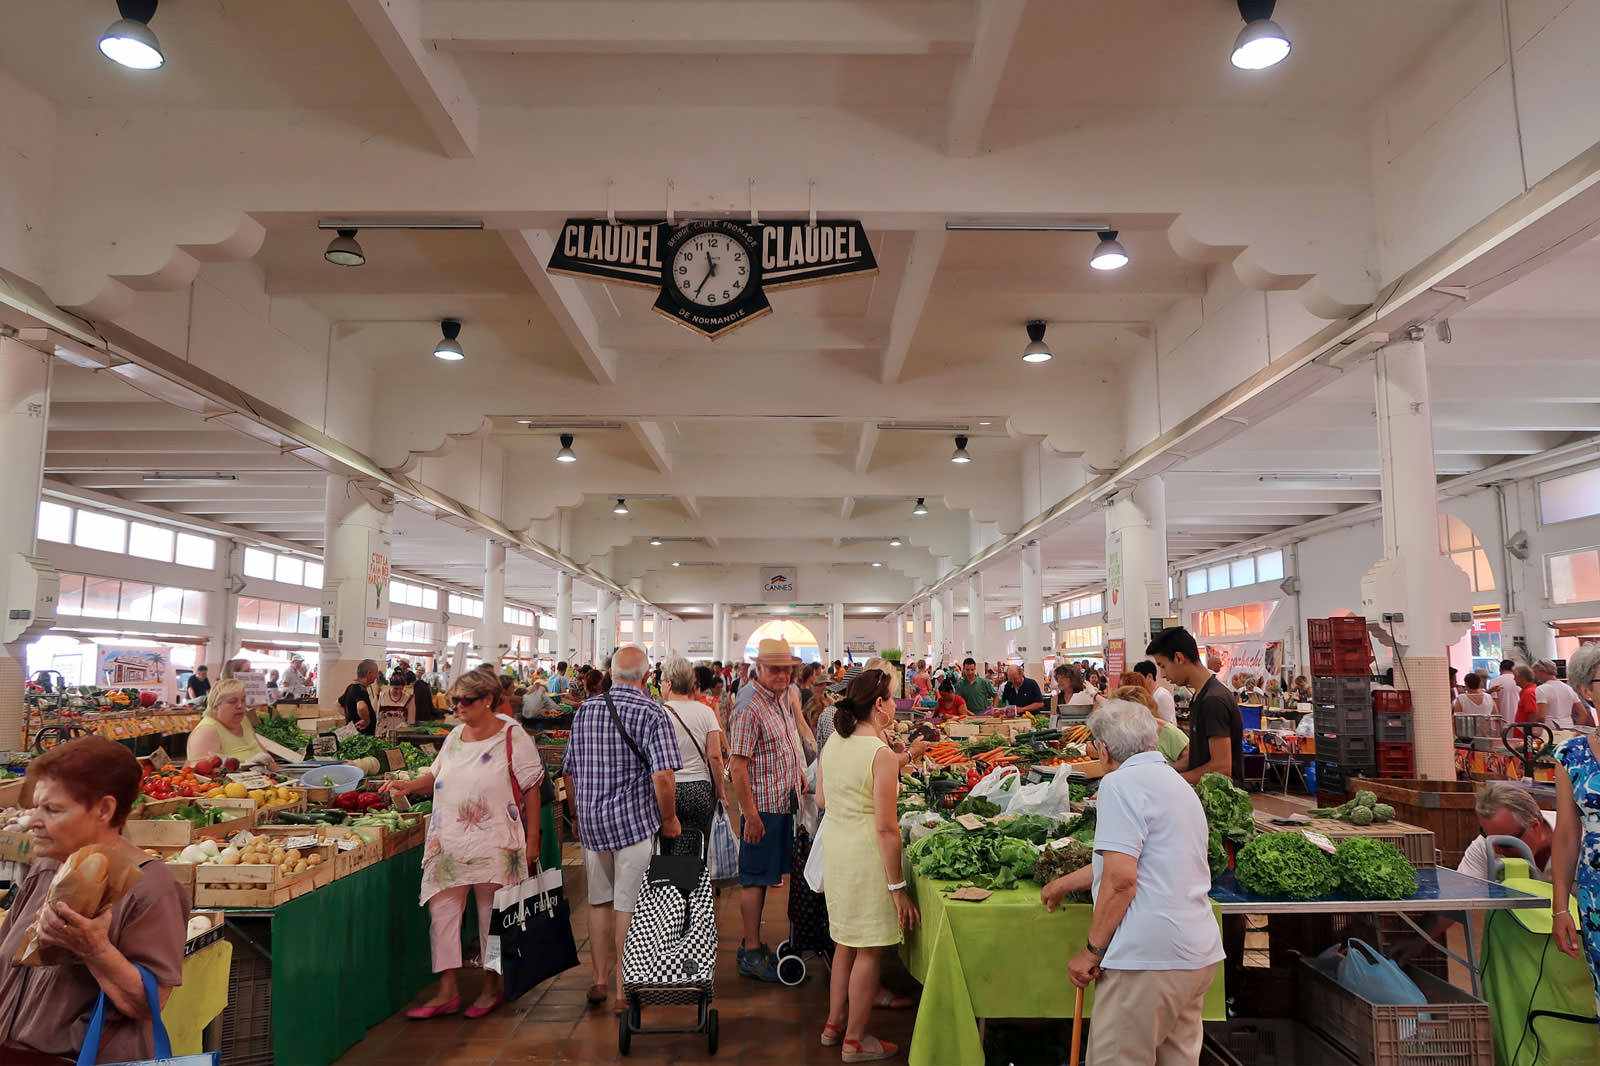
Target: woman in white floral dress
point(478, 841)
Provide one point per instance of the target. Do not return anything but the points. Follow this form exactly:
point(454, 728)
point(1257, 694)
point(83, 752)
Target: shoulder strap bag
point(668, 708)
point(627, 738)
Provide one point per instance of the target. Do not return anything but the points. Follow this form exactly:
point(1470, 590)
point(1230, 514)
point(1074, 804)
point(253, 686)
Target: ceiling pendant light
point(565, 455)
point(877, 564)
point(1262, 43)
point(447, 347)
point(344, 251)
point(1036, 351)
point(1109, 254)
point(961, 455)
point(895, 542)
point(129, 40)
point(621, 507)
point(920, 509)
point(655, 542)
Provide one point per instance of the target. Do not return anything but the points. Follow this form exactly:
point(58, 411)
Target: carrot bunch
point(946, 753)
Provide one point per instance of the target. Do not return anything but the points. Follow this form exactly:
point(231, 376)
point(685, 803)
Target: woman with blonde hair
point(484, 833)
point(1171, 742)
point(224, 731)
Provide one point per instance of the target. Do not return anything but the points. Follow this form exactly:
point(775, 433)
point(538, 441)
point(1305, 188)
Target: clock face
point(710, 269)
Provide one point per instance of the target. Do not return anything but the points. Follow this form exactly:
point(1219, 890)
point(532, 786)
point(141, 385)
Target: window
point(195, 551)
point(1083, 639)
point(459, 635)
point(1244, 620)
point(166, 605)
point(100, 597)
point(134, 601)
point(1194, 582)
point(1013, 622)
point(410, 631)
point(1457, 541)
point(1269, 566)
point(464, 605)
point(1243, 571)
point(101, 532)
point(313, 575)
point(1048, 615)
point(55, 522)
point(1217, 577)
point(1575, 576)
point(547, 621)
point(291, 571)
point(150, 542)
point(275, 616)
point(70, 599)
point(258, 563)
point(1561, 499)
point(130, 601)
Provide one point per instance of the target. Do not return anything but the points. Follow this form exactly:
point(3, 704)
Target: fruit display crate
point(1451, 1029)
point(263, 885)
point(145, 829)
point(410, 837)
point(355, 853)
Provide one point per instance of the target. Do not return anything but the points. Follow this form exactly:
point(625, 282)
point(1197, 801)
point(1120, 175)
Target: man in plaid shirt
point(767, 780)
point(619, 798)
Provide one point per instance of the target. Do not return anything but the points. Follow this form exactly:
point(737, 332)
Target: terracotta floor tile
point(469, 1051)
point(590, 1051)
point(533, 1047)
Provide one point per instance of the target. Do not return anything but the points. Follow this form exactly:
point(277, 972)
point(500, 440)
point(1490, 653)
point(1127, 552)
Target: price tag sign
point(159, 758)
point(346, 731)
point(252, 780)
point(348, 844)
point(395, 758)
point(400, 801)
point(971, 894)
point(430, 749)
point(321, 746)
point(299, 843)
point(1320, 841)
point(969, 821)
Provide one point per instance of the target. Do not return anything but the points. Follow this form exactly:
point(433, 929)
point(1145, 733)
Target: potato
point(229, 860)
point(292, 855)
point(314, 860)
point(301, 867)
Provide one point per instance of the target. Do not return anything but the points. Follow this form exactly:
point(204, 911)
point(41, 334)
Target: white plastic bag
point(1052, 798)
point(997, 785)
point(914, 825)
point(814, 860)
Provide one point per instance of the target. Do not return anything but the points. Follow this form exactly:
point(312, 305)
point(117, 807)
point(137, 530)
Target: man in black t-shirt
point(1216, 730)
point(199, 683)
point(357, 698)
point(1021, 694)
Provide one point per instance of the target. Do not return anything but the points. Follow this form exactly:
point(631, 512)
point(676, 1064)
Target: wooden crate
point(11, 792)
point(410, 837)
point(16, 847)
point(147, 830)
point(1446, 808)
point(207, 938)
point(1414, 842)
point(261, 886)
point(298, 806)
point(354, 853)
point(962, 730)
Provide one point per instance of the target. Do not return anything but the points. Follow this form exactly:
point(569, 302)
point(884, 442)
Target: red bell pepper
point(347, 801)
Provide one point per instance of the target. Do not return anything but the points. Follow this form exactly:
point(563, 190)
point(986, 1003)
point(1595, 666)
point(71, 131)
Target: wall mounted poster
point(146, 669)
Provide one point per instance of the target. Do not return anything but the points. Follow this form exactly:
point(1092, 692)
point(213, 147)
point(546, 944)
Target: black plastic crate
point(1392, 728)
point(1353, 722)
point(1344, 690)
point(1347, 749)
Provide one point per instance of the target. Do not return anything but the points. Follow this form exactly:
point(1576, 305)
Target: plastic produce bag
point(1052, 798)
point(1375, 978)
point(814, 860)
point(997, 785)
point(914, 825)
point(722, 859)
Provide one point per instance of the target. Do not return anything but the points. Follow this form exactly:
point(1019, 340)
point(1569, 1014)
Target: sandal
point(832, 1035)
point(869, 1050)
point(598, 994)
point(890, 1001)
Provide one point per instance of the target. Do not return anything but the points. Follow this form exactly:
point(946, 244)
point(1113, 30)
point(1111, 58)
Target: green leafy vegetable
point(982, 856)
point(1285, 866)
point(281, 729)
point(1368, 868)
point(1082, 827)
point(1216, 855)
point(976, 805)
point(1382, 812)
point(1035, 828)
point(1227, 808)
point(416, 758)
point(360, 746)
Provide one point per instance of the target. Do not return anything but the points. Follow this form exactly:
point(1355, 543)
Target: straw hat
point(775, 652)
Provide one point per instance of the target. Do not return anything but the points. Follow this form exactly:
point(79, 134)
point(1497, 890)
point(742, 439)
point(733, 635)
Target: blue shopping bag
point(163, 1046)
point(722, 861)
point(1375, 978)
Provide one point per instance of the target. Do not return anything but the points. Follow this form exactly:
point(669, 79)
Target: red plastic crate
point(1391, 701)
point(1396, 760)
point(1329, 630)
point(1333, 663)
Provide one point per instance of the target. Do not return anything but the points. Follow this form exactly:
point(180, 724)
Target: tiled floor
point(760, 1023)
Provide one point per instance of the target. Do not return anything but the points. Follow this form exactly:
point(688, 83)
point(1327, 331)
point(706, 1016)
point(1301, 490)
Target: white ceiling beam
point(798, 27)
point(654, 442)
point(864, 449)
point(922, 264)
point(563, 297)
point(432, 80)
point(847, 506)
point(973, 95)
point(691, 506)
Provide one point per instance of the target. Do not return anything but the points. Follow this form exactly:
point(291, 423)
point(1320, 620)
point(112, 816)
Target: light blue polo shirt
point(1147, 810)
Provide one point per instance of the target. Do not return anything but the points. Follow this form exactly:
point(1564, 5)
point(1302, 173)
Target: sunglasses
point(458, 700)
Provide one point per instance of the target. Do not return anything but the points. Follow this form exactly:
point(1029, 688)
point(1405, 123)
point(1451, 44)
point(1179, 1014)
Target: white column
point(563, 646)
point(975, 646)
point(835, 633)
point(1411, 536)
point(716, 633)
point(26, 582)
point(1136, 564)
point(1031, 644)
point(492, 640)
point(605, 626)
point(919, 631)
point(658, 650)
point(730, 648)
point(638, 625)
point(947, 652)
point(355, 592)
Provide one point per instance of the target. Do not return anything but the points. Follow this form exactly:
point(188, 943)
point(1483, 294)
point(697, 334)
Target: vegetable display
point(1364, 809)
point(1058, 861)
point(1227, 807)
point(281, 729)
point(1216, 855)
point(360, 746)
point(1368, 868)
point(416, 758)
point(1285, 866)
point(985, 857)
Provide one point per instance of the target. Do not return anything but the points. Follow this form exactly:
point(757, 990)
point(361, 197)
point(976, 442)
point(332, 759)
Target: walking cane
point(1077, 1027)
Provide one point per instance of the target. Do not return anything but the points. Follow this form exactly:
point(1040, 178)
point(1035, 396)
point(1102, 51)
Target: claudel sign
point(713, 275)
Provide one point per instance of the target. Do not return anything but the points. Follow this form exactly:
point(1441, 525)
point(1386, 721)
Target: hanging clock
point(711, 277)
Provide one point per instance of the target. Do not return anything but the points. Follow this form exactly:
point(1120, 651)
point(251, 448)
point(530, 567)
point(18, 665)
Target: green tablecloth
point(1003, 958)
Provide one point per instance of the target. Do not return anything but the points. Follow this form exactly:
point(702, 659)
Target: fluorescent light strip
point(1026, 226)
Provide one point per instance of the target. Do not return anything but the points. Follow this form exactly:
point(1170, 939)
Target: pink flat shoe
point(438, 1010)
point(476, 1011)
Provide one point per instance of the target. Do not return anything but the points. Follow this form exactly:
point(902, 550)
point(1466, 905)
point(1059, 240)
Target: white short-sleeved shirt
point(1166, 706)
point(1559, 699)
point(1506, 692)
point(1475, 860)
point(699, 720)
point(1148, 811)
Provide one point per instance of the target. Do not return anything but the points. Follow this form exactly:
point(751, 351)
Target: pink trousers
point(445, 909)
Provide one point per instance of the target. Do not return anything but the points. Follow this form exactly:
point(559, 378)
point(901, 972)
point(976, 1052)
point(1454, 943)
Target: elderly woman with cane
point(1153, 945)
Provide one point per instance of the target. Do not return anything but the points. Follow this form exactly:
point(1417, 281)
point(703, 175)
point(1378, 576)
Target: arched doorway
point(801, 641)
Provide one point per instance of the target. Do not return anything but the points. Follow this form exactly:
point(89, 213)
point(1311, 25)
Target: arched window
point(801, 641)
point(1457, 541)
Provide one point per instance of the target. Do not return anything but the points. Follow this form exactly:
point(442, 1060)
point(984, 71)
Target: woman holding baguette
point(81, 793)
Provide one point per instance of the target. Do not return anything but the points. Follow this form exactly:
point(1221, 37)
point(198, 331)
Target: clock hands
point(711, 269)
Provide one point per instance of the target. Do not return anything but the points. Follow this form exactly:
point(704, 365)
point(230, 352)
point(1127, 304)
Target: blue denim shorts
point(764, 864)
